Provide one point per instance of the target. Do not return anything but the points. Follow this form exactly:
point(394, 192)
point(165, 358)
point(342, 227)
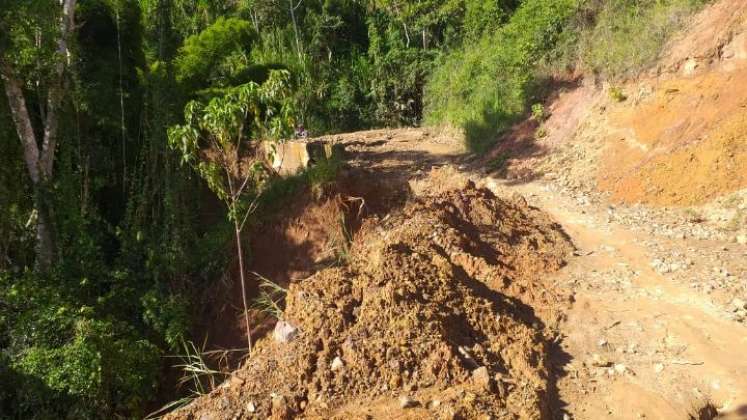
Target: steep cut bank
point(677, 135)
point(432, 316)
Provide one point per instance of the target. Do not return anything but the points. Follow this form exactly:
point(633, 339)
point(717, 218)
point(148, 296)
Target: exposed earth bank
point(433, 312)
point(593, 265)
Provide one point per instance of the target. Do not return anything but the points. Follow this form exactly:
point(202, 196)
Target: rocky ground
point(467, 295)
point(437, 309)
point(657, 323)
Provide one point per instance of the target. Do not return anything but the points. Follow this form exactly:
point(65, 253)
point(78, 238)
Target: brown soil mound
point(432, 304)
point(307, 233)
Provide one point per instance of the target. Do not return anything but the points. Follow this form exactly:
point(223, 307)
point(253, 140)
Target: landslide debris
point(429, 318)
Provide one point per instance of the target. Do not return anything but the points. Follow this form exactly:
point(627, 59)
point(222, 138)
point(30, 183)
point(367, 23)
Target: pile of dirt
point(432, 315)
point(296, 237)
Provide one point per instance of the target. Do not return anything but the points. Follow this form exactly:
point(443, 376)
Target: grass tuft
point(271, 297)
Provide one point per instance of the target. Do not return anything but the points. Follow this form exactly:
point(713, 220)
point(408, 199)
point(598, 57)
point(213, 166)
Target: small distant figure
point(301, 132)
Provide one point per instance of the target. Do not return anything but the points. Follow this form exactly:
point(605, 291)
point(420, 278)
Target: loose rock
point(280, 407)
point(599, 361)
point(337, 364)
point(481, 377)
point(407, 402)
point(738, 303)
point(284, 332)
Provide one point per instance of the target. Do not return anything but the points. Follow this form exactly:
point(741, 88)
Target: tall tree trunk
point(22, 121)
point(40, 163)
point(295, 28)
point(45, 245)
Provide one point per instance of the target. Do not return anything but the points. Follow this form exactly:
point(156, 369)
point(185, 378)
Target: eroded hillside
point(674, 136)
point(593, 265)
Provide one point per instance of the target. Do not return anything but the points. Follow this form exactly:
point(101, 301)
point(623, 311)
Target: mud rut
point(615, 338)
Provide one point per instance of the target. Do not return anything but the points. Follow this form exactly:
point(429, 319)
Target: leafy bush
point(71, 358)
point(488, 83)
point(617, 39)
point(100, 365)
point(215, 55)
point(484, 86)
point(167, 316)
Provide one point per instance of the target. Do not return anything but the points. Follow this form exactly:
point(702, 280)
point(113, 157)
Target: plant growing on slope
point(616, 94)
point(485, 86)
point(271, 297)
point(196, 374)
point(539, 113)
point(628, 36)
point(213, 140)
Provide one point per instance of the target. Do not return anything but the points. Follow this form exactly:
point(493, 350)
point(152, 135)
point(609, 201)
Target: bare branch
point(252, 208)
point(243, 185)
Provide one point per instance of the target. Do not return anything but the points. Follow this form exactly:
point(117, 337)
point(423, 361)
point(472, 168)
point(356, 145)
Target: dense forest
point(107, 226)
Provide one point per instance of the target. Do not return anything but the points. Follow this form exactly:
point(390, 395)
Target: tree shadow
point(739, 413)
point(481, 135)
point(516, 148)
point(556, 357)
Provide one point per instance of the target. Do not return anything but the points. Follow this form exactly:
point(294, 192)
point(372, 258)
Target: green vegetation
point(271, 297)
point(616, 94)
point(539, 113)
point(214, 140)
point(215, 54)
point(107, 239)
point(488, 84)
point(628, 35)
point(196, 376)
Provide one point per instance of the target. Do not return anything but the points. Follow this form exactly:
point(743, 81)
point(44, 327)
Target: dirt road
point(531, 300)
point(646, 320)
point(643, 338)
point(640, 344)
